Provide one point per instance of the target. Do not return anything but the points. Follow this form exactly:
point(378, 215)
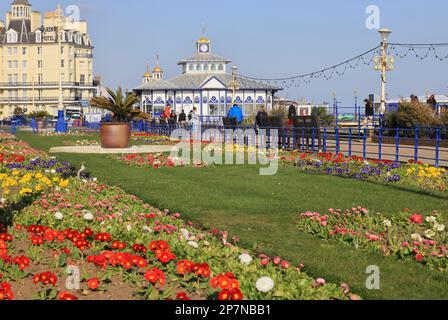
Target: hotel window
point(15, 50)
point(82, 79)
point(40, 64)
point(62, 63)
point(10, 64)
point(24, 64)
point(24, 78)
point(220, 67)
point(25, 93)
point(40, 78)
point(12, 37)
point(205, 67)
point(16, 64)
point(213, 67)
point(9, 78)
point(70, 77)
point(62, 77)
point(62, 50)
point(9, 51)
point(16, 78)
point(24, 50)
point(39, 51)
point(39, 36)
point(198, 67)
point(191, 67)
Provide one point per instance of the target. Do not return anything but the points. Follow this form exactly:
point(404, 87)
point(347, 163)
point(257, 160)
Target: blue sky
point(265, 38)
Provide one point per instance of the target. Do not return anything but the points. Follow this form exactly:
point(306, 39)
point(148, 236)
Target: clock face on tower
point(204, 48)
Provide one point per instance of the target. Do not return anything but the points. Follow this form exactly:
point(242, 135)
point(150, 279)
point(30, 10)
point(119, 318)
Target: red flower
point(93, 283)
point(66, 296)
point(45, 278)
point(416, 218)
point(154, 276)
point(182, 296)
point(419, 257)
point(5, 291)
point(22, 261)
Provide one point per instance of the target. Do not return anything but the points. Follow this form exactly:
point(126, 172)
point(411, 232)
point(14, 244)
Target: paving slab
point(100, 150)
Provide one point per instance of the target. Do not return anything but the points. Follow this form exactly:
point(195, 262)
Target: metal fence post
point(416, 145)
point(437, 146)
point(325, 140)
point(364, 141)
point(349, 142)
point(380, 143)
point(337, 141)
point(397, 145)
point(313, 136)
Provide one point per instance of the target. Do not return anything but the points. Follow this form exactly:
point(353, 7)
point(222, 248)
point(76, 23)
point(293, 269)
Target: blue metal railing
point(426, 144)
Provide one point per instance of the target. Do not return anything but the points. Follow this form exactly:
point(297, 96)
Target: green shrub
point(411, 115)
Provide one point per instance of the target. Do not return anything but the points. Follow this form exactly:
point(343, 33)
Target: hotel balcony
point(37, 100)
point(47, 85)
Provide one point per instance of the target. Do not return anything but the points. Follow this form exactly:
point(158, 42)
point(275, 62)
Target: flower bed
point(121, 248)
point(153, 161)
point(411, 174)
point(151, 138)
point(415, 237)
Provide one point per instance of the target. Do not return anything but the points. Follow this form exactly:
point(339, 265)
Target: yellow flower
point(39, 175)
point(25, 191)
point(15, 173)
point(64, 183)
point(38, 188)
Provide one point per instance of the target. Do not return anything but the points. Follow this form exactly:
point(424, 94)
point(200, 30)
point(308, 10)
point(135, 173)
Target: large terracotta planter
point(41, 124)
point(115, 135)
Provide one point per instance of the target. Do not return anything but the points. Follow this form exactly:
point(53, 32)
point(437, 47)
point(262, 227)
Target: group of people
point(169, 114)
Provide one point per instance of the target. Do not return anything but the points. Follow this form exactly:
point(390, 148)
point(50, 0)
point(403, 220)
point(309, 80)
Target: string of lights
point(401, 50)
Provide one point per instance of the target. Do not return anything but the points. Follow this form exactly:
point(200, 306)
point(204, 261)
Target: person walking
point(292, 114)
point(182, 117)
point(369, 111)
point(259, 117)
point(236, 112)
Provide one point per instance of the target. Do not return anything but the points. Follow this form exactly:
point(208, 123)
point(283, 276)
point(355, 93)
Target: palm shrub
point(38, 115)
point(121, 106)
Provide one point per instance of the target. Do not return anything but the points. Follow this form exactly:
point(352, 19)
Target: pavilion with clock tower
point(205, 83)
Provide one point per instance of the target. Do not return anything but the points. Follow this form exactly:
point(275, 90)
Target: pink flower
point(277, 260)
point(286, 265)
point(405, 244)
point(419, 257)
point(319, 282)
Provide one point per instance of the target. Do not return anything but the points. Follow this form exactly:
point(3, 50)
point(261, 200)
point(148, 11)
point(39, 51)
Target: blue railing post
point(284, 138)
point(349, 142)
point(380, 143)
point(437, 146)
point(313, 144)
point(293, 138)
point(325, 140)
point(303, 139)
point(337, 140)
point(364, 144)
point(13, 128)
point(397, 145)
point(416, 145)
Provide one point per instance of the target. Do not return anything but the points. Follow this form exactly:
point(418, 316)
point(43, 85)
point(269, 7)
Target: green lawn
point(263, 210)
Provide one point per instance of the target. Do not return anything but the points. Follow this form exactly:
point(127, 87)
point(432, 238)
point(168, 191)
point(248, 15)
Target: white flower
point(94, 179)
point(245, 259)
point(147, 229)
point(2, 200)
point(88, 216)
point(193, 244)
point(129, 228)
point(59, 215)
point(431, 219)
point(430, 234)
point(416, 237)
point(265, 284)
point(387, 223)
point(184, 233)
point(439, 227)
point(53, 171)
point(206, 243)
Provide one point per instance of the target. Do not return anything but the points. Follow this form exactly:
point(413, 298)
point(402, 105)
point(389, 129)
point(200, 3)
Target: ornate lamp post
point(61, 125)
point(234, 83)
point(356, 93)
point(384, 63)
